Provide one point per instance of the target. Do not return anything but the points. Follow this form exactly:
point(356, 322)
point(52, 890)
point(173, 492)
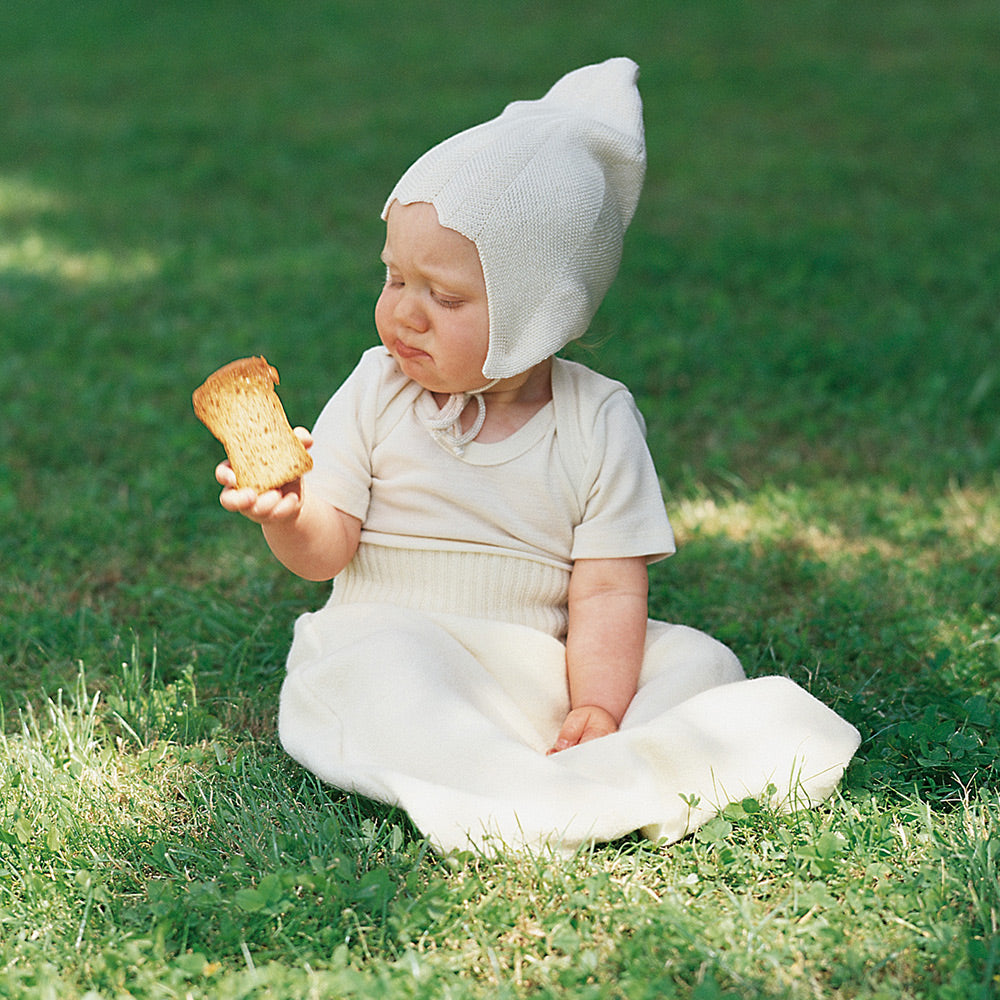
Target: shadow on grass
point(906, 653)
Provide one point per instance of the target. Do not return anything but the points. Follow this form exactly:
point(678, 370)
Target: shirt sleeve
point(342, 441)
point(623, 511)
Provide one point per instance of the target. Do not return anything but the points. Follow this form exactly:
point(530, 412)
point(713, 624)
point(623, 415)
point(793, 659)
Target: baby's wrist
point(594, 709)
point(595, 706)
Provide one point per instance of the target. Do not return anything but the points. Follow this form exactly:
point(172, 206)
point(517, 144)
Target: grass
point(807, 314)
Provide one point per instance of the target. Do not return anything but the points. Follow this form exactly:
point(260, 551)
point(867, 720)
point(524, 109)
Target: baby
point(489, 511)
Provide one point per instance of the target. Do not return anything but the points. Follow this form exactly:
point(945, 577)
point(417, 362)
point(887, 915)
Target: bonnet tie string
point(447, 425)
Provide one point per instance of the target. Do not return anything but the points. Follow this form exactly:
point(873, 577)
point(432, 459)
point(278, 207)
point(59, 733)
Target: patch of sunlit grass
point(21, 197)
point(35, 255)
point(972, 516)
point(768, 518)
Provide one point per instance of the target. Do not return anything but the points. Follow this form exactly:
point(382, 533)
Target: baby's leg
point(679, 663)
point(389, 703)
point(372, 689)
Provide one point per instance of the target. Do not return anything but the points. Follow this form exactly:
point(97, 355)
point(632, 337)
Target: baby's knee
point(673, 649)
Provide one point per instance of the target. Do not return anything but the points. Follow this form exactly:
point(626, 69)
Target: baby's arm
point(309, 536)
point(608, 609)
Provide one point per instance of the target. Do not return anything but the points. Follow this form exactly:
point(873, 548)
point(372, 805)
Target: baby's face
point(432, 315)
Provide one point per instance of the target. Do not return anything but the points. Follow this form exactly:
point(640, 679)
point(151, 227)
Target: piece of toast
point(239, 406)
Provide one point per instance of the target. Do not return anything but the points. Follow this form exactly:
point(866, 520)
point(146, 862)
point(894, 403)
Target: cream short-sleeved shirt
point(575, 482)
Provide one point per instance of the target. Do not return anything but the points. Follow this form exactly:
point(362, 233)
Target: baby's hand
point(274, 505)
point(589, 722)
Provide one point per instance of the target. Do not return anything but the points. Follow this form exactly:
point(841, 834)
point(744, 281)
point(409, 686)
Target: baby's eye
point(447, 301)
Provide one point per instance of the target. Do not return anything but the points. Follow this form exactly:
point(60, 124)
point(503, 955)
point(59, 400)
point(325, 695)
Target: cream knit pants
point(449, 717)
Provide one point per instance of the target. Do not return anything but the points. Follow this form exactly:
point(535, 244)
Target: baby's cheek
point(382, 312)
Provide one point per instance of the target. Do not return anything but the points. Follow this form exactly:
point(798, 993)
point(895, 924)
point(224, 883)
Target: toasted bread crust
point(239, 406)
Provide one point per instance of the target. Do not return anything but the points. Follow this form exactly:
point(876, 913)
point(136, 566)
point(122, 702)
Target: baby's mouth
point(408, 353)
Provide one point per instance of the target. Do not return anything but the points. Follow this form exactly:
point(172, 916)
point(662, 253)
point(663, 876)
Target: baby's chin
point(420, 367)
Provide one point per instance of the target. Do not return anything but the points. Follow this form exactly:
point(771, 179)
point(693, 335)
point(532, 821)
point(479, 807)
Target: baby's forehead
point(414, 236)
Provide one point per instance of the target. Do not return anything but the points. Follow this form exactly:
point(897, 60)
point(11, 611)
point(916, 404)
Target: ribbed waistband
point(477, 584)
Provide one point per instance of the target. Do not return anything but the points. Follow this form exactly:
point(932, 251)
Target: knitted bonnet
point(545, 191)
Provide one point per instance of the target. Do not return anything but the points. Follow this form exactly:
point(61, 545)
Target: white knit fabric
point(545, 191)
point(449, 717)
point(446, 425)
point(473, 583)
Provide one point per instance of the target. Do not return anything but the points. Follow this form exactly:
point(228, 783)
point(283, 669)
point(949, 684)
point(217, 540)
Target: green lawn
point(807, 313)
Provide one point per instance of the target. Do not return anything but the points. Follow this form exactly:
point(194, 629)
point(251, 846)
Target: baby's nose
point(411, 312)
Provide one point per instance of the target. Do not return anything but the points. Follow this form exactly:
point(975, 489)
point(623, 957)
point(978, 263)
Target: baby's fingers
point(583, 725)
point(237, 501)
point(570, 734)
point(282, 504)
point(224, 475)
point(273, 505)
